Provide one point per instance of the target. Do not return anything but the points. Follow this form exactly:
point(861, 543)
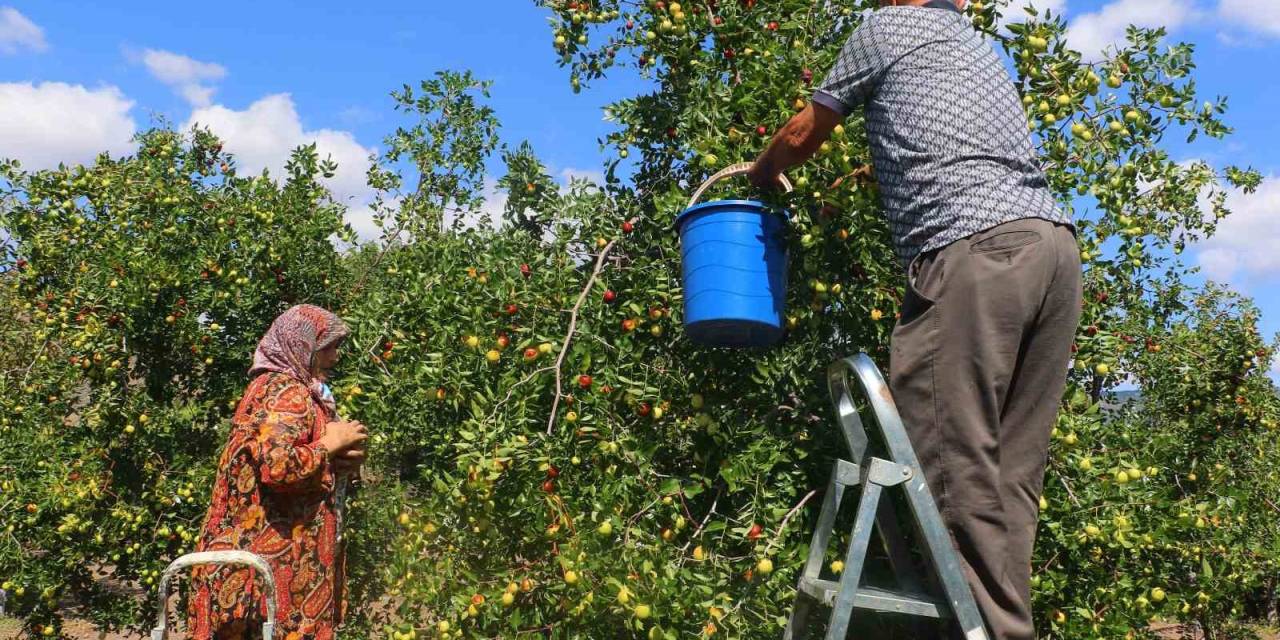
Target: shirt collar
point(942, 4)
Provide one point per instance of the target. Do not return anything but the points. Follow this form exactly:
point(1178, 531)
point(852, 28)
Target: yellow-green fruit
point(508, 599)
point(837, 566)
point(1157, 594)
point(765, 566)
point(605, 528)
point(643, 612)
point(571, 577)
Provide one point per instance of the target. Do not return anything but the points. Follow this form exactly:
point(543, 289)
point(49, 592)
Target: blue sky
point(78, 77)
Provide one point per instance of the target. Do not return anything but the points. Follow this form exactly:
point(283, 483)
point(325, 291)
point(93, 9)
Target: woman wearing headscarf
point(275, 490)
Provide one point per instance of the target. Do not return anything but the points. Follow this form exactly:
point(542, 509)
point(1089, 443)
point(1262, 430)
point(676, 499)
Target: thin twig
point(34, 359)
point(1070, 493)
point(512, 390)
point(626, 535)
point(1271, 504)
point(781, 527)
point(693, 536)
point(377, 259)
point(573, 326)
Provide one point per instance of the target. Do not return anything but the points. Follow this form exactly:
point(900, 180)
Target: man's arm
point(850, 83)
point(794, 143)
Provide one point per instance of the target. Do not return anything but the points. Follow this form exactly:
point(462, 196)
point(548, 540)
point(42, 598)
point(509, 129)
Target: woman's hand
point(349, 461)
point(340, 436)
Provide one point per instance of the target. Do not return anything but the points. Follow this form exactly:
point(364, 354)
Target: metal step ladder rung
point(874, 599)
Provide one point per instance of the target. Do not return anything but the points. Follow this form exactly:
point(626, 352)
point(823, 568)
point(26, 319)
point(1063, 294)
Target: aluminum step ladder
point(242, 558)
point(899, 469)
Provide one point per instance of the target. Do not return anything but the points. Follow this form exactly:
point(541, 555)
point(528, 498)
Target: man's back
point(948, 135)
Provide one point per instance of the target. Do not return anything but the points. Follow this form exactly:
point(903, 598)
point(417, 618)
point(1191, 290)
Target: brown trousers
point(979, 365)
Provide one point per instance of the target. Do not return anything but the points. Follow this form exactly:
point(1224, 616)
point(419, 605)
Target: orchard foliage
point(550, 454)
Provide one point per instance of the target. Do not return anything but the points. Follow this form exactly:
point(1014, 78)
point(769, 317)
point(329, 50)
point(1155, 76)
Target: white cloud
point(1244, 244)
point(1092, 33)
point(1262, 16)
point(360, 218)
point(17, 32)
point(1014, 11)
point(569, 174)
point(187, 76)
point(263, 135)
point(42, 125)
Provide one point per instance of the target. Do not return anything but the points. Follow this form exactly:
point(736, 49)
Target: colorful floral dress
point(274, 497)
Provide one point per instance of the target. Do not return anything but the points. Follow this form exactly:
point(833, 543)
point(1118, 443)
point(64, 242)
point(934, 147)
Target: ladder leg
point(842, 610)
point(942, 557)
point(938, 546)
point(946, 560)
point(895, 545)
point(904, 569)
point(817, 552)
point(799, 618)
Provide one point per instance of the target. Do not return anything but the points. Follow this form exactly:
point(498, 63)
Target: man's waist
point(938, 234)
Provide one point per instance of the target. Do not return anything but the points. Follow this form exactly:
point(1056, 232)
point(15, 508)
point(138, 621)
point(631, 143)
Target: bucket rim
point(715, 204)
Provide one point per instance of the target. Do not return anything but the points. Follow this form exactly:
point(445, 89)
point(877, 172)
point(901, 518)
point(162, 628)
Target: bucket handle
point(731, 170)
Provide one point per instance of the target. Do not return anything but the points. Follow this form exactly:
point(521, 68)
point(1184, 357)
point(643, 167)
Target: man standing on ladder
point(980, 353)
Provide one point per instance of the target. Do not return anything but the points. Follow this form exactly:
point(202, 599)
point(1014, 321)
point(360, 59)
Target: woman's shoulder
point(281, 390)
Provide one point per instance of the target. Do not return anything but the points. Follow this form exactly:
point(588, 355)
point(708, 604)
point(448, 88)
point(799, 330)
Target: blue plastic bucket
point(734, 258)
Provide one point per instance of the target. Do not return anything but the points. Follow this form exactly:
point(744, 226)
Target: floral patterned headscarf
point(290, 345)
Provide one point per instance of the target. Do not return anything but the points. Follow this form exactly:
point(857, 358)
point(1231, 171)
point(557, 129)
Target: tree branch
point(573, 326)
point(781, 527)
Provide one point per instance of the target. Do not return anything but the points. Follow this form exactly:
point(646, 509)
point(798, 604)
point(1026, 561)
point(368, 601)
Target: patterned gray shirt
point(948, 135)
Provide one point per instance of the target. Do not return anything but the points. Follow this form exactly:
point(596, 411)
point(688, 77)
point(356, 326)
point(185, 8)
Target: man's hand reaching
point(794, 143)
point(761, 177)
